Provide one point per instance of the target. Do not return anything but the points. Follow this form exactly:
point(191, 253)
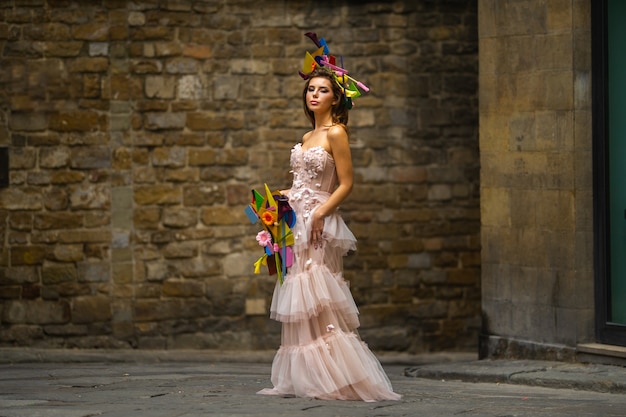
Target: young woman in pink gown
point(321, 355)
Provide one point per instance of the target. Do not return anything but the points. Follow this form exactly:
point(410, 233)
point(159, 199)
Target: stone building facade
point(135, 131)
point(536, 177)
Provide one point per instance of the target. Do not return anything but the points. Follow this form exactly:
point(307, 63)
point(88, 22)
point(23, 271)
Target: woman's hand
point(317, 230)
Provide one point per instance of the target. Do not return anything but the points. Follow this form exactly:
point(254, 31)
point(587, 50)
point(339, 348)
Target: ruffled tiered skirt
point(321, 355)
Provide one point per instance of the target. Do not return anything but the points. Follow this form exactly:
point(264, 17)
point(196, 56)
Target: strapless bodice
point(313, 168)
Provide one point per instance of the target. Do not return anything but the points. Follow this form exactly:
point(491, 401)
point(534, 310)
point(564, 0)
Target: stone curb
point(32, 355)
point(587, 377)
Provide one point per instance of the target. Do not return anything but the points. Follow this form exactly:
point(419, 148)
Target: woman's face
point(319, 95)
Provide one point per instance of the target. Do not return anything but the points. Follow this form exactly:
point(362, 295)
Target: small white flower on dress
point(308, 262)
point(330, 328)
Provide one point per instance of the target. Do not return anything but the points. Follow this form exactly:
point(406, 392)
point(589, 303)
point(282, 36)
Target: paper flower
point(269, 217)
point(264, 238)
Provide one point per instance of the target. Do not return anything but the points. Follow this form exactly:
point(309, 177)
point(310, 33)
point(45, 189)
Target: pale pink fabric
point(321, 354)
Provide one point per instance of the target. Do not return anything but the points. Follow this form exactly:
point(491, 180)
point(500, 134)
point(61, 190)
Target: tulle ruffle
point(305, 294)
point(336, 367)
point(336, 233)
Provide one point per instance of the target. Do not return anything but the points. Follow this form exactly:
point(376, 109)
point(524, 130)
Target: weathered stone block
point(166, 49)
point(36, 312)
point(27, 255)
point(62, 49)
point(160, 87)
point(236, 156)
point(156, 271)
point(183, 175)
point(146, 217)
point(237, 265)
point(155, 310)
point(197, 51)
point(88, 64)
point(179, 218)
point(206, 121)
point(158, 194)
point(66, 330)
point(120, 122)
point(222, 215)
point(165, 121)
point(52, 274)
point(190, 88)
point(196, 267)
point(181, 66)
point(20, 221)
point(67, 253)
point(464, 276)
point(97, 218)
point(146, 67)
point(53, 157)
point(136, 18)
point(94, 271)
point(169, 157)
point(256, 307)
point(200, 157)
point(91, 309)
point(121, 158)
point(46, 221)
point(91, 32)
point(19, 275)
point(90, 197)
point(182, 288)
point(181, 250)
point(202, 195)
point(75, 121)
point(11, 292)
point(30, 122)
point(22, 49)
point(66, 177)
point(22, 158)
point(23, 335)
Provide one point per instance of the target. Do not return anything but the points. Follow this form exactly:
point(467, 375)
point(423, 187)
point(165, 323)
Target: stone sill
point(602, 354)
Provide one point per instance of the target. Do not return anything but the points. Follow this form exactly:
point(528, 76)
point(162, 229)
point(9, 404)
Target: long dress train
point(321, 354)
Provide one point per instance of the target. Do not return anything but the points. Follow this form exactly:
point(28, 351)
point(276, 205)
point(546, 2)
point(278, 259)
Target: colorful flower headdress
point(323, 59)
point(277, 218)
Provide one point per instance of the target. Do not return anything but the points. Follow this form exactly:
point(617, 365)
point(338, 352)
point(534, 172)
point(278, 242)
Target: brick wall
point(136, 130)
point(536, 173)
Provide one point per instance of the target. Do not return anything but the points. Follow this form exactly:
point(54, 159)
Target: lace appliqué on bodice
point(313, 172)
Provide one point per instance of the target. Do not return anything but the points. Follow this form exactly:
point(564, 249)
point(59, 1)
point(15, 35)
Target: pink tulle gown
point(321, 355)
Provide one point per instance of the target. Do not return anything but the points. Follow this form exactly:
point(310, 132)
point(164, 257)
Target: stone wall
point(536, 175)
point(136, 130)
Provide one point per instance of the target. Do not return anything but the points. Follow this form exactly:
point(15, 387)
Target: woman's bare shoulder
point(337, 133)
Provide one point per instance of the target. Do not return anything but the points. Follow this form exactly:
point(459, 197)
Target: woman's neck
point(323, 122)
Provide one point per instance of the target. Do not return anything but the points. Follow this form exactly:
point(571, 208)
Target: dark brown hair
point(339, 111)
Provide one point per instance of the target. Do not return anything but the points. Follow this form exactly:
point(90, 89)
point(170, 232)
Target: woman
point(321, 355)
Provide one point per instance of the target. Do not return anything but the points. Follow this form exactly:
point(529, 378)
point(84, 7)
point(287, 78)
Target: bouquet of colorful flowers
point(277, 218)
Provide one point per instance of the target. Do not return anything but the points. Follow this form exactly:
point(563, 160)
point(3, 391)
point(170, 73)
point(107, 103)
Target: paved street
point(177, 389)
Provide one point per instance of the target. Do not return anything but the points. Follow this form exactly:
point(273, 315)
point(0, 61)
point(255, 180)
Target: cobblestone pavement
point(215, 388)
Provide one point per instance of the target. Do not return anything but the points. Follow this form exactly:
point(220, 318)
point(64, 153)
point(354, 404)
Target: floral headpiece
point(323, 59)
